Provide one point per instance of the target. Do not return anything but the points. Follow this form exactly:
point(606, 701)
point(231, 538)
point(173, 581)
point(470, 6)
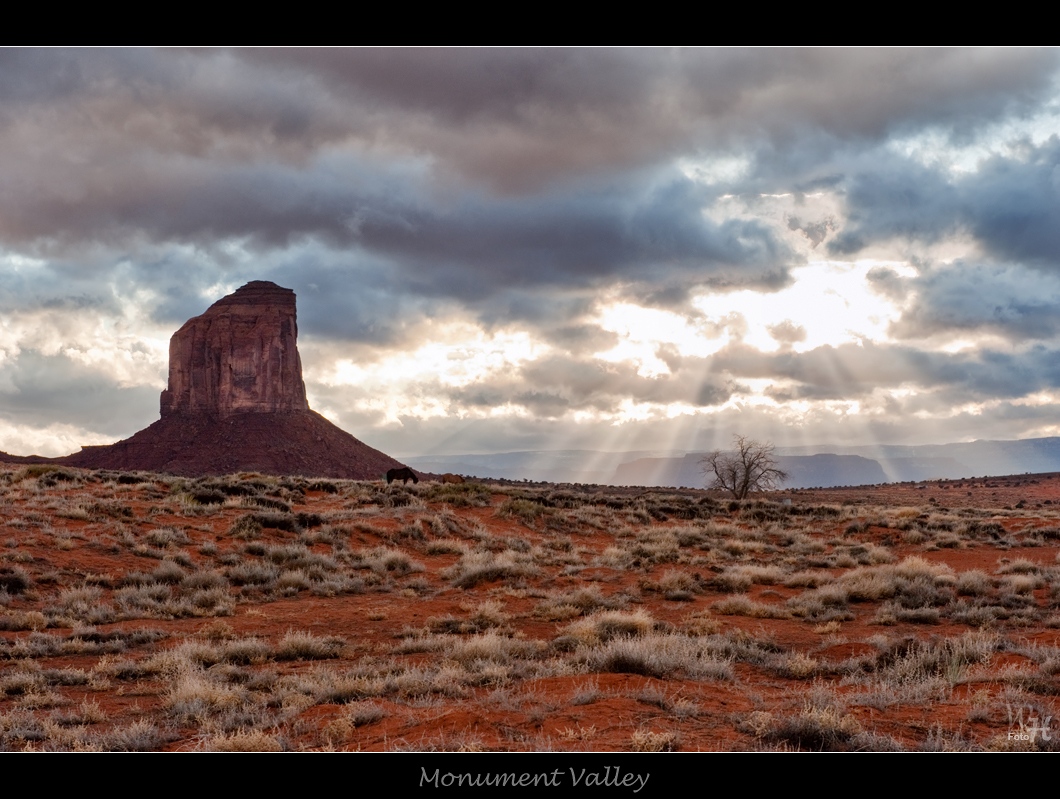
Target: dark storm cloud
point(555, 385)
point(396, 158)
point(852, 371)
point(626, 230)
point(637, 228)
point(964, 298)
point(579, 339)
point(396, 189)
point(1010, 205)
point(199, 144)
point(1014, 205)
point(517, 117)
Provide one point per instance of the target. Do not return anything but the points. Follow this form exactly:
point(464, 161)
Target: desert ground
point(144, 612)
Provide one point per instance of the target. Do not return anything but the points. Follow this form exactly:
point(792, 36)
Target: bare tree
point(750, 466)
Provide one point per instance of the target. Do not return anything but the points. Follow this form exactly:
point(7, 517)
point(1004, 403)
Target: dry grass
point(252, 613)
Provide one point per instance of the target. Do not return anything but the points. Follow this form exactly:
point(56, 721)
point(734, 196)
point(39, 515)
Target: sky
point(508, 249)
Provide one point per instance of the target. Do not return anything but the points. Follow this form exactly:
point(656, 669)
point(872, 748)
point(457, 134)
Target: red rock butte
point(240, 356)
point(236, 402)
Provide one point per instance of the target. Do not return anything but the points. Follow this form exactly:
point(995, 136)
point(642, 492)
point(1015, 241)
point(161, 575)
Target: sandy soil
point(134, 615)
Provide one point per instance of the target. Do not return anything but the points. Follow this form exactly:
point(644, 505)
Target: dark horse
point(404, 474)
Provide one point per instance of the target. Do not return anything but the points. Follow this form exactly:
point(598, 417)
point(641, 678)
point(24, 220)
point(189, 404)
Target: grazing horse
point(404, 474)
point(449, 477)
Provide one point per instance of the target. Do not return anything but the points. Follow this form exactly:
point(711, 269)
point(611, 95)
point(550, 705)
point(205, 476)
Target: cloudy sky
point(497, 250)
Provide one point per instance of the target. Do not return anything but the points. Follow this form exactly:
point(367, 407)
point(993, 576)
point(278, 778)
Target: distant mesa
point(236, 402)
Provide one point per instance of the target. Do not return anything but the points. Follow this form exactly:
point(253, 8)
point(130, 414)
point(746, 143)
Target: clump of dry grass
point(607, 625)
point(742, 577)
point(657, 655)
point(649, 741)
point(563, 605)
point(482, 567)
point(742, 606)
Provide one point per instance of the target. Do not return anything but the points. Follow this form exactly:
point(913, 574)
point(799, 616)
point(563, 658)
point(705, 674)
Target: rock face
point(236, 402)
point(239, 356)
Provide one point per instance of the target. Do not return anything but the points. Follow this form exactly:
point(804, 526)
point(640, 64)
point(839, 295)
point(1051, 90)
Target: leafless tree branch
point(749, 466)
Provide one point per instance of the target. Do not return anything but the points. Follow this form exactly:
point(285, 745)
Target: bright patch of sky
point(127, 355)
point(830, 300)
point(939, 148)
point(719, 169)
point(461, 356)
point(642, 330)
point(52, 441)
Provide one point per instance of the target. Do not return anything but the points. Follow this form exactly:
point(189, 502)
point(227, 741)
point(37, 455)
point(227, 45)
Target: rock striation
point(236, 402)
point(240, 356)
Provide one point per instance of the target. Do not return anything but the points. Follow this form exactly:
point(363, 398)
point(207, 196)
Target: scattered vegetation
point(141, 612)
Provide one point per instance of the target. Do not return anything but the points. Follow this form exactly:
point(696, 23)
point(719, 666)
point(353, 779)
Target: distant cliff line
point(822, 465)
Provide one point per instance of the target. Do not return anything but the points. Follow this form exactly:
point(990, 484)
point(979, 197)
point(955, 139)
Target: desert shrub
point(36, 470)
point(308, 521)
point(973, 583)
point(306, 646)
point(817, 511)
point(269, 503)
point(912, 583)
point(760, 511)
point(809, 579)
point(140, 736)
point(146, 599)
point(395, 496)
point(1020, 583)
point(107, 508)
point(327, 486)
point(1020, 566)
point(740, 605)
point(244, 741)
point(814, 729)
point(483, 567)
point(653, 545)
point(360, 714)
point(277, 521)
point(384, 560)
point(868, 553)
point(446, 546)
point(909, 660)
point(257, 574)
point(663, 507)
point(19, 620)
point(690, 536)
point(740, 578)
point(168, 572)
point(976, 614)
point(488, 647)
point(523, 510)
point(893, 613)
point(292, 581)
point(794, 665)
point(14, 579)
point(203, 580)
point(604, 626)
point(206, 496)
point(460, 495)
point(562, 605)
point(246, 528)
point(656, 655)
point(649, 741)
point(677, 586)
